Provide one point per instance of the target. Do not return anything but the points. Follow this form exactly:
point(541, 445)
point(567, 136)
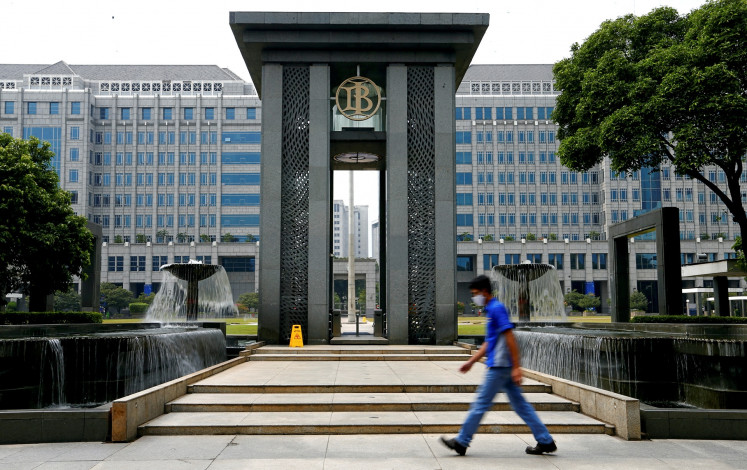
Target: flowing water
point(539, 281)
point(708, 373)
point(89, 370)
point(215, 298)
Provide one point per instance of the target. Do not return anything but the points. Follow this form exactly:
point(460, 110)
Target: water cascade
point(89, 370)
point(531, 291)
point(707, 373)
point(191, 289)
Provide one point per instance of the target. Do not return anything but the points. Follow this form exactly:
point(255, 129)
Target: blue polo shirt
point(497, 354)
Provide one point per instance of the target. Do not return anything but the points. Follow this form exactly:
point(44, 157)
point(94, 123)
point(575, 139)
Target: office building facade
point(166, 160)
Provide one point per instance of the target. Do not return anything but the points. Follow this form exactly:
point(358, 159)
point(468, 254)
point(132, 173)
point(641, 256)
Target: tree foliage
point(574, 299)
point(66, 301)
point(638, 301)
point(660, 88)
point(43, 244)
point(249, 299)
point(115, 296)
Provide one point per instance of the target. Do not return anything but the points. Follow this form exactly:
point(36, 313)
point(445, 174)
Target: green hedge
point(48, 318)
point(138, 307)
point(685, 319)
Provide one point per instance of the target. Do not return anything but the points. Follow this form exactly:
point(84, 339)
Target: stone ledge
point(133, 410)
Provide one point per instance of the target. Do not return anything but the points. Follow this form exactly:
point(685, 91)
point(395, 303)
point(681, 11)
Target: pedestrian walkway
point(375, 452)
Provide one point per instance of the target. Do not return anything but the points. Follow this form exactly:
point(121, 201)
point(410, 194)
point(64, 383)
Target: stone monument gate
point(350, 91)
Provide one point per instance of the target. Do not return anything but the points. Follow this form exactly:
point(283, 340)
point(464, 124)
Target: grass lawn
point(234, 326)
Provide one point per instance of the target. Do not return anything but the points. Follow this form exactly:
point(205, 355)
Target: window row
point(481, 113)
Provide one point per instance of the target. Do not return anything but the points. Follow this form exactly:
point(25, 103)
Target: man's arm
point(476, 357)
point(513, 349)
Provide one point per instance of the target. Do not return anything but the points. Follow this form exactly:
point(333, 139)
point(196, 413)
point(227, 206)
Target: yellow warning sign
point(364, 320)
point(296, 337)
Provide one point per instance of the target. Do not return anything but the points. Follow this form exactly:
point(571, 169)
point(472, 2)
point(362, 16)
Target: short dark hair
point(481, 283)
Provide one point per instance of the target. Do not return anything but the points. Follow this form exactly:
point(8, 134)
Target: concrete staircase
point(354, 390)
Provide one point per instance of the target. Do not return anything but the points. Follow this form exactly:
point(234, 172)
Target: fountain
point(190, 288)
point(530, 290)
point(61, 366)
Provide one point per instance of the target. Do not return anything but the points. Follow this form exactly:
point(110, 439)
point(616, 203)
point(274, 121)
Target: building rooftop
point(120, 72)
point(510, 72)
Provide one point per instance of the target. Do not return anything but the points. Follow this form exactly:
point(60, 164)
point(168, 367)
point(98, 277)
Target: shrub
point(685, 319)
point(48, 318)
point(138, 307)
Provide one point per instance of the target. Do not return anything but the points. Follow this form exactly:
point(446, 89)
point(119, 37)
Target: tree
point(250, 238)
point(228, 238)
point(140, 238)
point(638, 301)
point(204, 238)
point(68, 300)
point(487, 238)
point(553, 236)
point(530, 236)
point(574, 300)
point(249, 299)
point(162, 235)
point(590, 302)
point(181, 237)
point(43, 244)
point(660, 88)
point(146, 299)
point(115, 296)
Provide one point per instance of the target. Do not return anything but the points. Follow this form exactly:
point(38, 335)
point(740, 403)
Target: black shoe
point(454, 445)
point(540, 449)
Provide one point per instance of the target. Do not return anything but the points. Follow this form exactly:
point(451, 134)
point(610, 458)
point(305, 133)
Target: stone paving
point(408, 451)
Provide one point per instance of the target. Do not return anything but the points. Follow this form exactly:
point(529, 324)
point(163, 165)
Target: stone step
point(353, 340)
point(371, 422)
point(357, 357)
point(527, 387)
point(304, 402)
point(362, 349)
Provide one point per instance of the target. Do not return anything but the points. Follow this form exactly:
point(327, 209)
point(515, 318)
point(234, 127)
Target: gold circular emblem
point(358, 98)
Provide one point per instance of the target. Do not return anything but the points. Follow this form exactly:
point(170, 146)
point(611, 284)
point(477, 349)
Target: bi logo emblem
point(296, 337)
point(358, 98)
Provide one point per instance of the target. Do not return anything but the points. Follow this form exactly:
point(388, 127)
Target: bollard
point(336, 323)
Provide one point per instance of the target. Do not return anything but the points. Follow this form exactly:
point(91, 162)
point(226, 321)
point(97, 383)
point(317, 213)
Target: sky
point(195, 32)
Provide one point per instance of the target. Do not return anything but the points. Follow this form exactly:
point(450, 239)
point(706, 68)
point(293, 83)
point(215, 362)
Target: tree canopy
point(43, 244)
point(662, 87)
point(115, 296)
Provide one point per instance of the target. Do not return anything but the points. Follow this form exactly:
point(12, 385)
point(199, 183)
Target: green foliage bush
point(685, 319)
point(138, 307)
point(49, 318)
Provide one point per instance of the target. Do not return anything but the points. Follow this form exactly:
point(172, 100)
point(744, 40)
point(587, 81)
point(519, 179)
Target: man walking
point(503, 374)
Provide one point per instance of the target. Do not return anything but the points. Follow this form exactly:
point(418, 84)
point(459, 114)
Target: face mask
point(479, 300)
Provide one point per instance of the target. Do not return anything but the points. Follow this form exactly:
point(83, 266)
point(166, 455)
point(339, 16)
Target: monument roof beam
point(265, 37)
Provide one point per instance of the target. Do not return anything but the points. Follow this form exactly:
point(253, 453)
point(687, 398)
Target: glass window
point(124, 114)
point(464, 263)
point(54, 107)
point(240, 178)
point(75, 107)
point(242, 137)
point(104, 113)
point(167, 114)
point(145, 114)
point(75, 133)
point(209, 114)
point(237, 264)
point(251, 113)
point(31, 107)
point(230, 113)
point(464, 220)
point(189, 114)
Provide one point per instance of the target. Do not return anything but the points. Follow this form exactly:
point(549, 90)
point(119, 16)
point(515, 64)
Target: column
point(271, 175)
point(446, 314)
point(319, 203)
point(396, 219)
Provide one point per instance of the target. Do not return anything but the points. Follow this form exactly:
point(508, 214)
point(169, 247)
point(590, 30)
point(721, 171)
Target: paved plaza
point(401, 451)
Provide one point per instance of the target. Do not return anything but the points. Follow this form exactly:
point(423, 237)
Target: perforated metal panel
point(421, 205)
point(294, 231)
